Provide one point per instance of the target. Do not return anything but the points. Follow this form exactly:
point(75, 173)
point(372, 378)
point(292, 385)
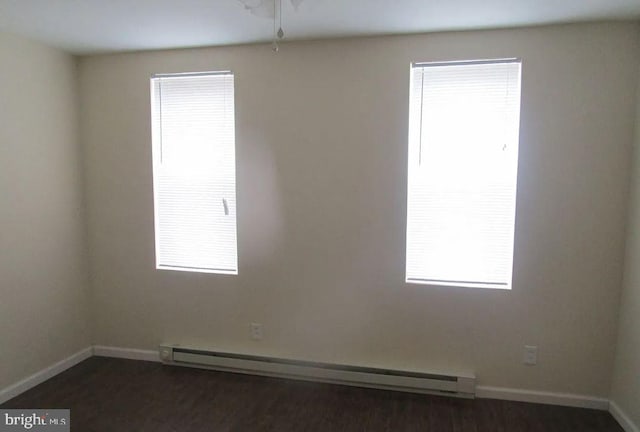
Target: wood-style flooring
point(123, 395)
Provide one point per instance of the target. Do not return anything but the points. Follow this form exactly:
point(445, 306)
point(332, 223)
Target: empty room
point(313, 215)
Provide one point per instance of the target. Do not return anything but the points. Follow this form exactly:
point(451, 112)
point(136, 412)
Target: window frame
point(156, 141)
point(508, 285)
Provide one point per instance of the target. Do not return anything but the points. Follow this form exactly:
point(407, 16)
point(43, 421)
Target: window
point(463, 160)
point(194, 172)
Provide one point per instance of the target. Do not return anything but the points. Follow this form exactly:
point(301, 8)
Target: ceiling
point(92, 26)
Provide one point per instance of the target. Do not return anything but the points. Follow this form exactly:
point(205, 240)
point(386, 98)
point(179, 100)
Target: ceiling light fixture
point(270, 9)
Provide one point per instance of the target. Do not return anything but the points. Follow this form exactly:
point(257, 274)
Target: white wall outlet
point(530, 355)
point(256, 331)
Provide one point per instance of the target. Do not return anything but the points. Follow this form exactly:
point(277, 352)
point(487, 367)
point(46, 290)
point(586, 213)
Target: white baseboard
point(622, 418)
point(125, 353)
point(564, 399)
point(43, 375)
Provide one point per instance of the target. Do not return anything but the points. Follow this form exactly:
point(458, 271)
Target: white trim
point(622, 418)
point(44, 374)
point(541, 397)
point(126, 353)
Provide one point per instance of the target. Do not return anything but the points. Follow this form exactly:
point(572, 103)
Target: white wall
point(43, 278)
point(626, 376)
point(321, 174)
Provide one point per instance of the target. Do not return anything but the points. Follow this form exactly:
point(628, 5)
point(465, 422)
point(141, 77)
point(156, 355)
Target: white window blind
point(463, 159)
point(194, 172)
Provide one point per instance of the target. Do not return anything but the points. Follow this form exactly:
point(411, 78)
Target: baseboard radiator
point(399, 380)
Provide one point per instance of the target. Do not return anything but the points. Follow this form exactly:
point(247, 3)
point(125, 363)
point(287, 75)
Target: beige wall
point(321, 175)
point(43, 283)
point(626, 376)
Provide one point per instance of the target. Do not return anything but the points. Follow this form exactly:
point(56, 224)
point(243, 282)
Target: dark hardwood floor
point(124, 395)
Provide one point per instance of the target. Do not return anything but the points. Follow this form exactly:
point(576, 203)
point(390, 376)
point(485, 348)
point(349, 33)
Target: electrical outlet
point(530, 355)
point(256, 331)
